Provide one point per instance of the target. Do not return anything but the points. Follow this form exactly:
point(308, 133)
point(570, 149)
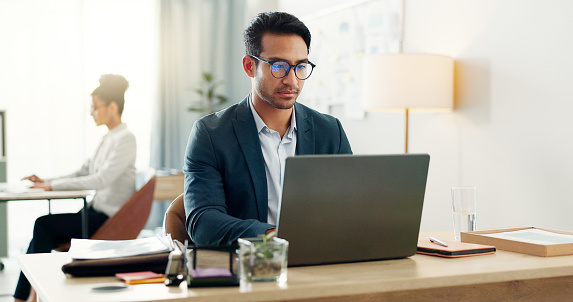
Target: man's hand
point(271, 230)
point(33, 178)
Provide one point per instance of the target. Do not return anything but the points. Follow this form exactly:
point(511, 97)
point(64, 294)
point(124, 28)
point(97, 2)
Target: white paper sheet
point(535, 236)
point(105, 249)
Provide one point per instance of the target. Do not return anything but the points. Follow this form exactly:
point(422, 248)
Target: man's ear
point(249, 66)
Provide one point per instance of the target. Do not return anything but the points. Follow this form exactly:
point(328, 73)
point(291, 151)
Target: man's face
point(279, 93)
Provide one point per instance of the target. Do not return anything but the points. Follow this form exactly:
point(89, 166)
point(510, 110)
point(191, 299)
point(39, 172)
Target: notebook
point(454, 249)
point(349, 208)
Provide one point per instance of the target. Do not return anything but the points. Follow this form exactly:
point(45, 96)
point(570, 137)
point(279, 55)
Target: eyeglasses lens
point(280, 70)
point(301, 70)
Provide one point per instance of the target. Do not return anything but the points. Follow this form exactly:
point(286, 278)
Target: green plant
point(208, 97)
point(263, 258)
point(262, 248)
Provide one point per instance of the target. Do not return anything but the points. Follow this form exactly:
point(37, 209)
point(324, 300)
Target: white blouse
point(111, 172)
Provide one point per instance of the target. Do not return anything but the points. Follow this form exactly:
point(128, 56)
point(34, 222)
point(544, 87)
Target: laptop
point(349, 208)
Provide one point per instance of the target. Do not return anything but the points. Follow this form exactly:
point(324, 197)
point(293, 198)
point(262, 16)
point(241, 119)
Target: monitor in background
point(348, 208)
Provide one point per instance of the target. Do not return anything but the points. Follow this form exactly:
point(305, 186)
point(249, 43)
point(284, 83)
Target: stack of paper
point(82, 249)
point(108, 257)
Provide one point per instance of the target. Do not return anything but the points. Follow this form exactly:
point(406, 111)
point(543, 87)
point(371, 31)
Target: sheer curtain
point(52, 55)
point(196, 36)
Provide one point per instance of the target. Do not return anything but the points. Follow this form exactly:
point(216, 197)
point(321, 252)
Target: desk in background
point(43, 195)
point(504, 276)
point(49, 196)
point(168, 187)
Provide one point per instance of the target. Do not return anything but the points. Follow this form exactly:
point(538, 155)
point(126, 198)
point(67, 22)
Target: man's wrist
point(273, 229)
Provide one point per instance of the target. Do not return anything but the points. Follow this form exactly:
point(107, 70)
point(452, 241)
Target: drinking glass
point(464, 201)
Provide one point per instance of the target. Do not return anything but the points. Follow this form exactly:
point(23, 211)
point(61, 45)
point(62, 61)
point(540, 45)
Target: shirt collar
point(116, 129)
point(261, 125)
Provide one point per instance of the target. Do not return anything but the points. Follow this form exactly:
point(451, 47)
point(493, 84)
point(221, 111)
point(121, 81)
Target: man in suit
point(235, 158)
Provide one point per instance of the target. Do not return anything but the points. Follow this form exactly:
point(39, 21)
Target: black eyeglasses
point(280, 69)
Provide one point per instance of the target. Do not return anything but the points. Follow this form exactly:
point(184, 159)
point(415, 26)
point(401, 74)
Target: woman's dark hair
point(112, 88)
point(276, 23)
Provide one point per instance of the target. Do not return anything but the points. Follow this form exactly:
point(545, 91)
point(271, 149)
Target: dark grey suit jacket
point(225, 182)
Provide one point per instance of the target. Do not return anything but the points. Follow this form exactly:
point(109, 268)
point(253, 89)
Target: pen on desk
point(439, 242)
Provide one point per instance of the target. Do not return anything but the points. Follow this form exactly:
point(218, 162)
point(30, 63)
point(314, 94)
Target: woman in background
point(110, 171)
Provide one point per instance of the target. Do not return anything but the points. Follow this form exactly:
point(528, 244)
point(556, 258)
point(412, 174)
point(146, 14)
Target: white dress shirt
point(275, 151)
point(111, 172)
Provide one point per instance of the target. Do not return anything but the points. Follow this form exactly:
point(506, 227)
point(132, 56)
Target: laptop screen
point(347, 208)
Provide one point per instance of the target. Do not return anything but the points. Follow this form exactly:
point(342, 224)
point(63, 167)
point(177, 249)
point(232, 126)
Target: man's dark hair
point(276, 23)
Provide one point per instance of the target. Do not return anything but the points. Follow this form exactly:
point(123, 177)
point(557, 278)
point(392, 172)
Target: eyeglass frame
point(94, 108)
point(290, 66)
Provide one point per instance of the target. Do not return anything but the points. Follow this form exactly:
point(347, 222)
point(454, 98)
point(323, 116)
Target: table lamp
point(408, 82)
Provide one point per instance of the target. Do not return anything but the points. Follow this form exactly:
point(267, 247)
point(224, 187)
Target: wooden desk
point(168, 187)
point(503, 276)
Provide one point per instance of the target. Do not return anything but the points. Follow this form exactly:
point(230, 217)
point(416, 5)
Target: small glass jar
point(263, 260)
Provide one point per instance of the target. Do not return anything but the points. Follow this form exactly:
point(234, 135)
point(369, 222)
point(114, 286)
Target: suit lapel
point(247, 136)
point(305, 131)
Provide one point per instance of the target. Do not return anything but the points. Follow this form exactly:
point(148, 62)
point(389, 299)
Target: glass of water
point(464, 201)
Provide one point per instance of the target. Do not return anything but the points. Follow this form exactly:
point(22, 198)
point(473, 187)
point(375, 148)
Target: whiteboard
point(341, 38)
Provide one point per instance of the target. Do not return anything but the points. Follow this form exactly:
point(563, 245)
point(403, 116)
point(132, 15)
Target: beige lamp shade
point(408, 81)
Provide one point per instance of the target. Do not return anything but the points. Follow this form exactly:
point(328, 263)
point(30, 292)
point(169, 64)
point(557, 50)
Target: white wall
point(511, 132)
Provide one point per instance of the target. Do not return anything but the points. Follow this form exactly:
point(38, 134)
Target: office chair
point(128, 222)
point(174, 221)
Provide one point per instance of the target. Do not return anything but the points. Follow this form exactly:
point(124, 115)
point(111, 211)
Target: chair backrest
point(174, 221)
point(142, 177)
point(128, 222)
